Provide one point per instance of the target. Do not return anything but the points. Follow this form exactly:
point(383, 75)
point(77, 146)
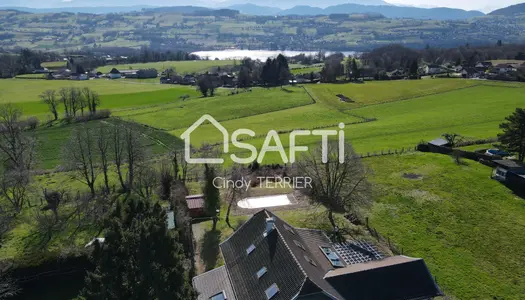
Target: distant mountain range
point(304, 9)
point(512, 10)
point(86, 10)
point(388, 11)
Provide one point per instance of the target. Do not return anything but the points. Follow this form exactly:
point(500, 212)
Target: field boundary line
point(230, 119)
point(291, 130)
point(158, 142)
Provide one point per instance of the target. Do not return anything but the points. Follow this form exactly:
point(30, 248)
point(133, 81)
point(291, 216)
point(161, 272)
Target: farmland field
point(475, 112)
point(223, 107)
point(384, 91)
point(113, 93)
point(182, 67)
point(468, 227)
point(26, 90)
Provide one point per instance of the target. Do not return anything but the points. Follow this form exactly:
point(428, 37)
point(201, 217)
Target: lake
point(256, 54)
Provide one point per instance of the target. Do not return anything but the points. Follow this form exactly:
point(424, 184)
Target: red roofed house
point(196, 205)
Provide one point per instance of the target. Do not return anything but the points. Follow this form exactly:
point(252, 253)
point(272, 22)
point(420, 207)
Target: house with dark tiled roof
point(266, 258)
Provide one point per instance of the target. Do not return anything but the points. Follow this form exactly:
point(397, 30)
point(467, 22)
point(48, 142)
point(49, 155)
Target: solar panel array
point(356, 252)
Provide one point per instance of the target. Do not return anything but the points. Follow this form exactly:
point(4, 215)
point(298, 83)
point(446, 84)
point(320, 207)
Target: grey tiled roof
point(295, 262)
point(271, 252)
point(212, 283)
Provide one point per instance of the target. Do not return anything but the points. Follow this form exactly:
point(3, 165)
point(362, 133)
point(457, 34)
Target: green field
point(181, 67)
point(307, 70)
point(464, 107)
point(222, 108)
point(113, 93)
point(467, 227)
point(52, 139)
point(369, 93)
point(54, 64)
point(26, 90)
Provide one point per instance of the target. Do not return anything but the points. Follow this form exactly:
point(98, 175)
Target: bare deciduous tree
point(118, 147)
point(103, 138)
point(64, 97)
point(18, 153)
point(135, 154)
point(92, 99)
point(49, 97)
point(79, 155)
point(146, 181)
point(181, 168)
point(53, 200)
point(339, 187)
point(234, 193)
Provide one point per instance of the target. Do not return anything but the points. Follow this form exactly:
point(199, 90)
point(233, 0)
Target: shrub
point(32, 123)
point(101, 114)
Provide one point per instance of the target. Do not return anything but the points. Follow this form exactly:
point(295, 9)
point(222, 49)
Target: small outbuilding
point(114, 74)
point(196, 205)
point(439, 142)
point(511, 173)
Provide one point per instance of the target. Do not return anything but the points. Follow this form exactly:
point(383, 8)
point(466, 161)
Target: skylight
point(311, 261)
point(289, 229)
point(219, 296)
point(261, 272)
point(250, 249)
point(299, 244)
point(332, 257)
point(272, 291)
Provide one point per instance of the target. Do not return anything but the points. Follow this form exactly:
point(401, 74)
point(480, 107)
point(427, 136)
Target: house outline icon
point(187, 144)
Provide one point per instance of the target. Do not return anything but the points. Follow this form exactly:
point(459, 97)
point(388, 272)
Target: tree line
point(79, 104)
point(396, 56)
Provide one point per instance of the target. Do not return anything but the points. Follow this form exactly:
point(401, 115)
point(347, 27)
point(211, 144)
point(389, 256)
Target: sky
point(483, 5)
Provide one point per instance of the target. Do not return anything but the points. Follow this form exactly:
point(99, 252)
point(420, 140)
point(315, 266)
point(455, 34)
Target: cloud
point(67, 1)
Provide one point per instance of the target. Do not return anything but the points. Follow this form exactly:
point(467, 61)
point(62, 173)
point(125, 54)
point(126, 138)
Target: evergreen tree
point(513, 137)
point(355, 69)
point(211, 194)
point(140, 258)
point(414, 68)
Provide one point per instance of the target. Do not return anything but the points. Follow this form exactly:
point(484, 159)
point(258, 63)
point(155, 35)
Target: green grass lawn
point(54, 64)
point(306, 70)
point(51, 140)
point(467, 227)
point(32, 76)
point(474, 113)
point(182, 115)
point(26, 90)
point(114, 95)
point(181, 67)
point(376, 92)
point(305, 117)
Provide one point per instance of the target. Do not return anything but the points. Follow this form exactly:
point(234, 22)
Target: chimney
point(270, 222)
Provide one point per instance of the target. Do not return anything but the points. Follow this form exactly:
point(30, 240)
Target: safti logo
point(272, 138)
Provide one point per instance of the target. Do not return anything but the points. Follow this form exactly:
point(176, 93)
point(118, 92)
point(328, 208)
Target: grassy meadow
point(467, 227)
point(182, 67)
point(114, 94)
